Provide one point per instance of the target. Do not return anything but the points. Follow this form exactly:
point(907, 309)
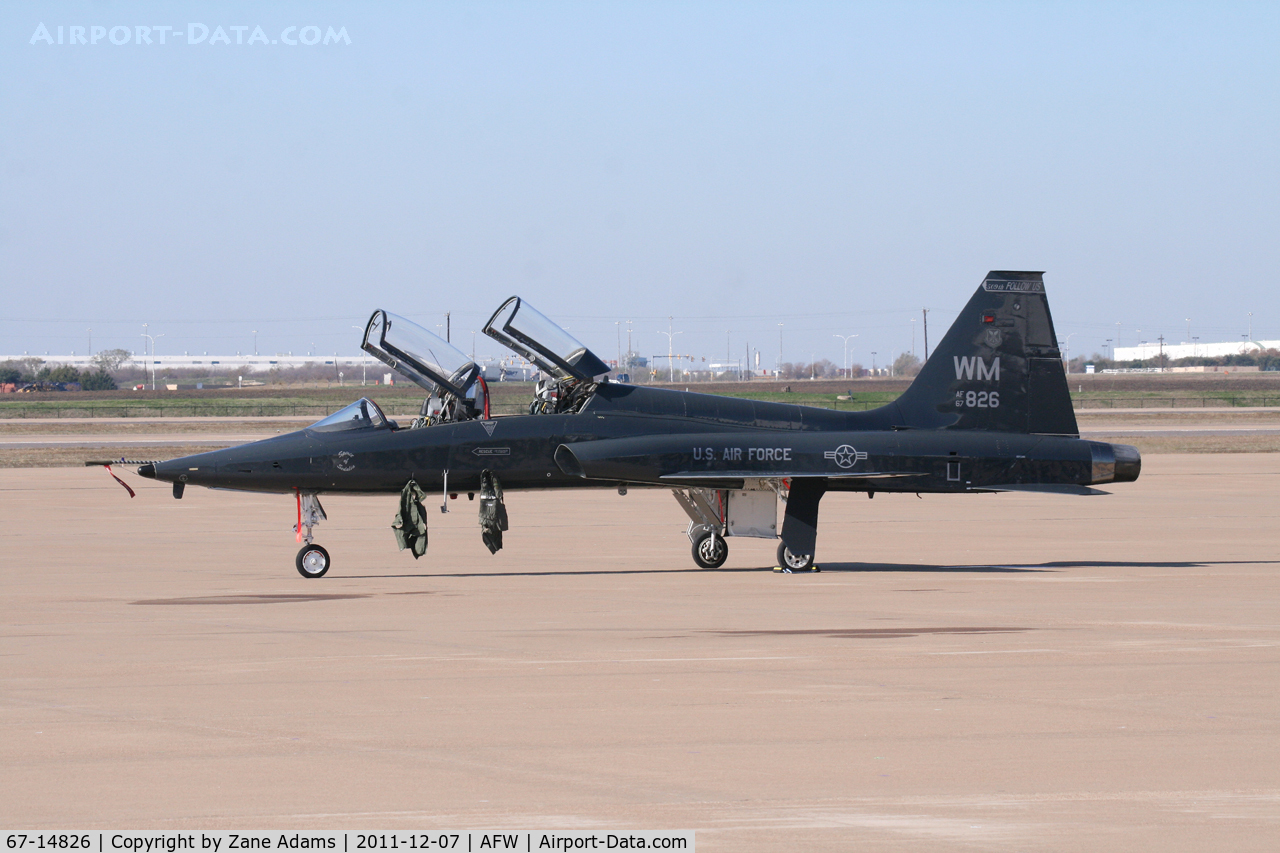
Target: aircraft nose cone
point(148, 471)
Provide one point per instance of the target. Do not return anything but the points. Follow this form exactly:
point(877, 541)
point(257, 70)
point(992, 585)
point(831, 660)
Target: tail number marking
point(976, 367)
point(977, 399)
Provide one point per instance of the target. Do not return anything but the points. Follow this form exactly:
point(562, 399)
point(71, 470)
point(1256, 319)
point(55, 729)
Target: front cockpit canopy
point(362, 414)
point(520, 327)
point(420, 355)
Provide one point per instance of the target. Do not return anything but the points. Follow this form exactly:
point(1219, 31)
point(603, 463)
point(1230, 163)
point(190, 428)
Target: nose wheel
point(313, 561)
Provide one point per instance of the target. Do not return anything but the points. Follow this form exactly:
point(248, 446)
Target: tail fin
point(998, 367)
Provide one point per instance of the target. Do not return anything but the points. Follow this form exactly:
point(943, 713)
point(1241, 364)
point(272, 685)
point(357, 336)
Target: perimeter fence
point(410, 409)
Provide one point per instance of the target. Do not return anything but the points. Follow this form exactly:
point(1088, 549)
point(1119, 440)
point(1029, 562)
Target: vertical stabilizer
point(998, 367)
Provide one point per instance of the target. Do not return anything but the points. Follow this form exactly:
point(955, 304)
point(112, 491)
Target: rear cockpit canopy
point(420, 355)
point(520, 327)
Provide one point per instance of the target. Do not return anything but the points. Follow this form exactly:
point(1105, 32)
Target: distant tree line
point(33, 371)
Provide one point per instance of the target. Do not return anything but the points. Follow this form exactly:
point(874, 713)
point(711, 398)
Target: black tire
point(313, 561)
point(794, 562)
point(710, 551)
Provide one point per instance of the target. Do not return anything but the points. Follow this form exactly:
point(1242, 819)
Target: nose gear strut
point(313, 560)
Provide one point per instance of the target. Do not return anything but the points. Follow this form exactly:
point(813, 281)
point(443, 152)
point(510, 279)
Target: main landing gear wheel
point(789, 562)
point(710, 551)
point(313, 561)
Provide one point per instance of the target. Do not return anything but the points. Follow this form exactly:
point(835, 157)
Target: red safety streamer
point(121, 482)
point(298, 492)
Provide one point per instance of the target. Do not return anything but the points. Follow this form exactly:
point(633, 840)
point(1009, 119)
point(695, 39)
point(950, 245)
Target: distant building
point(214, 363)
point(1173, 352)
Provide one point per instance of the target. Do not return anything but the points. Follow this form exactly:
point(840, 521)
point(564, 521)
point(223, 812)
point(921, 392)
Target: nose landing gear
point(312, 561)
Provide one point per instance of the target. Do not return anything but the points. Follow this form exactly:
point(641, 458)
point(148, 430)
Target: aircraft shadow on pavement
point(826, 567)
point(923, 567)
point(1053, 566)
point(905, 568)
point(557, 573)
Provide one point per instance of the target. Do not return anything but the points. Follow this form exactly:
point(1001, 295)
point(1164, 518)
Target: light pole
point(91, 343)
point(1188, 330)
point(255, 342)
point(151, 361)
point(1066, 350)
point(671, 358)
point(845, 338)
point(363, 365)
point(1250, 325)
point(777, 370)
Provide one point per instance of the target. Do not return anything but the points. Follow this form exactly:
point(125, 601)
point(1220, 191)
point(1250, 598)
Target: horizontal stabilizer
point(1046, 488)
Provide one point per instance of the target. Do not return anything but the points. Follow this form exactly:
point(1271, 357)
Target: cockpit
point(570, 370)
point(455, 385)
point(448, 376)
point(362, 414)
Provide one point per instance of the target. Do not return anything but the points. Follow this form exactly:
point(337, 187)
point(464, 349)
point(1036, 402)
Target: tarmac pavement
point(982, 672)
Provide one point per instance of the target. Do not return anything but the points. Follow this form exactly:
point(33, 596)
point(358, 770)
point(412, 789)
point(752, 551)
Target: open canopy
point(523, 329)
point(418, 354)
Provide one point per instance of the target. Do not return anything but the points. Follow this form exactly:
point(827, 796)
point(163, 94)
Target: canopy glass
point(418, 354)
point(362, 414)
point(523, 329)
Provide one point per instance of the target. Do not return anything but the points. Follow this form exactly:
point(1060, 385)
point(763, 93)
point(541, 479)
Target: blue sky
point(833, 167)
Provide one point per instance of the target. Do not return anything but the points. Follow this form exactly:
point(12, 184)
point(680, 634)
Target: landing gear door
point(420, 355)
point(752, 514)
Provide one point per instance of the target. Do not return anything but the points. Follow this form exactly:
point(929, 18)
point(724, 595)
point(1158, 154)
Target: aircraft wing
point(1047, 488)
point(756, 475)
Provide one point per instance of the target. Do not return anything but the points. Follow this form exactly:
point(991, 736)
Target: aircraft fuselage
point(603, 446)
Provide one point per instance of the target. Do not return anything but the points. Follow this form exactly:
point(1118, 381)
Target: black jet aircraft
point(989, 412)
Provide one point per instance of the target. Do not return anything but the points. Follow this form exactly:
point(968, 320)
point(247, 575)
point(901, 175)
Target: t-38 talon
point(989, 412)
